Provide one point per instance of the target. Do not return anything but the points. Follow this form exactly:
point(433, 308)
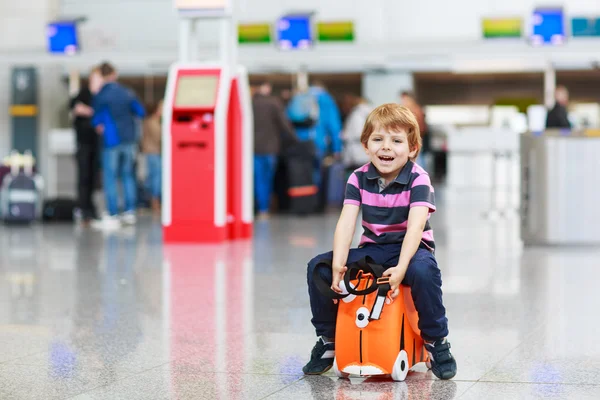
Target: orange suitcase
point(374, 336)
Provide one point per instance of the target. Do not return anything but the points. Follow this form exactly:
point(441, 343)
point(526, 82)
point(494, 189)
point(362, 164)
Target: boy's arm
point(422, 202)
point(344, 232)
point(417, 218)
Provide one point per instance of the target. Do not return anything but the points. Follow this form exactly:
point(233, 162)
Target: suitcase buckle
point(383, 280)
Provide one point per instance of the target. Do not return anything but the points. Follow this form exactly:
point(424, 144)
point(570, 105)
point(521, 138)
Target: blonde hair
point(392, 117)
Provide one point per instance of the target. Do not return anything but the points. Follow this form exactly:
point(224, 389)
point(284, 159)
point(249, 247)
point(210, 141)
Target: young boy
point(397, 198)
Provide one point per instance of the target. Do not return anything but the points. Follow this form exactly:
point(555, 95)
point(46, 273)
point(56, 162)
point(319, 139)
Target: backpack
point(303, 110)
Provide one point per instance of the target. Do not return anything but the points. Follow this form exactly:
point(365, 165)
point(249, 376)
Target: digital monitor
point(294, 32)
point(62, 37)
point(548, 26)
point(197, 91)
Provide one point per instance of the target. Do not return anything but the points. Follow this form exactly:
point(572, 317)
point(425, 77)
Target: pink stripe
point(418, 168)
point(364, 168)
point(364, 239)
point(381, 229)
point(428, 235)
point(423, 204)
point(389, 200)
point(422, 179)
point(353, 180)
point(352, 202)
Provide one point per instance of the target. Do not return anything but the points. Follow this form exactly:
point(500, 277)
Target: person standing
point(152, 148)
point(270, 123)
point(558, 117)
point(409, 100)
point(87, 152)
point(115, 111)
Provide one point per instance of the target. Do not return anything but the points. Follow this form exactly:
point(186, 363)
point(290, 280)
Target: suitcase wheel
point(401, 367)
point(336, 371)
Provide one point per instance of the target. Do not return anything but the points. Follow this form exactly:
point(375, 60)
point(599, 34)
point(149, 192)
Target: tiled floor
point(86, 315)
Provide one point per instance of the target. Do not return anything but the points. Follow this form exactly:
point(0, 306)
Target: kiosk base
point(239, 231)
point(197, 232)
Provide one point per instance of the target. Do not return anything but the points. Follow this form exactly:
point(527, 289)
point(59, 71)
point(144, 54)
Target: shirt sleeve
point(353, 191)
point(422, 193)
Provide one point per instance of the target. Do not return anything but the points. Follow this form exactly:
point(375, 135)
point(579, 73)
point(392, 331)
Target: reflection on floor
point(87, 315)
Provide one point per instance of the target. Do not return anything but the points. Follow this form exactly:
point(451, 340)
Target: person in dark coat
point(87, 153)
point(270, 124)
point(557, 117)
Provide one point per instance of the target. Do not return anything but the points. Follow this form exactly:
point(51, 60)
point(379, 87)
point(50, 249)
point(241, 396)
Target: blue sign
point(548, 26)
point(581, 26)
point(62, 37)
point(294, 32)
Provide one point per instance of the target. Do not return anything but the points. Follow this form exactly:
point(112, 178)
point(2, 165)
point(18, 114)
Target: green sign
point(254, 33)
point(336, 31)
point(502, 27)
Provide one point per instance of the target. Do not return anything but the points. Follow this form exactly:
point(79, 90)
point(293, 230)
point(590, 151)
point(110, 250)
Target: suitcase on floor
point(302, 192)
point(373, 336)
point(334, 184)
point(19, 198)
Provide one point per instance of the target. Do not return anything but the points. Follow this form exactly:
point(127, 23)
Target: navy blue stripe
point(372, 185)
point(385, 216)
point(352, 193)
point(422, 193)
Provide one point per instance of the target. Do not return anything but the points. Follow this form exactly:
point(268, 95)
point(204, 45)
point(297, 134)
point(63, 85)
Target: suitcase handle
point(366, 265)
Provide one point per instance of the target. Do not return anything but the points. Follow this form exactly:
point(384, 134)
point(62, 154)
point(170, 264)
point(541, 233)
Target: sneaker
point(321, 358)
point(443, 365)
point(129, 218)
point(107, 222)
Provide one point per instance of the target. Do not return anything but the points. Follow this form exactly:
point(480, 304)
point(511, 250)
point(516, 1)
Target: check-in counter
point(560, 187)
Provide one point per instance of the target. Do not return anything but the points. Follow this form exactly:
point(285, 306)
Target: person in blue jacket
point(115, 112)
point(325, 131)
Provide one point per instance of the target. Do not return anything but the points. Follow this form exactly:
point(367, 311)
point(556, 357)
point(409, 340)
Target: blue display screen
point(548, 26)
point(585, 26)
point(62, 38)
point(294, 32)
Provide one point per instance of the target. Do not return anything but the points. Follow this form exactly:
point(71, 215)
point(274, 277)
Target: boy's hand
point(338, 275)
point(396, 277)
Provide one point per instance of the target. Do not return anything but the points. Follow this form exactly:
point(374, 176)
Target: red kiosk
point(207, 154)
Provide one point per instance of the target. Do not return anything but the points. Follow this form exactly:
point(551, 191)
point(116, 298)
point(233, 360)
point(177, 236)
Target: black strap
point(323, 287)
point(366, 265)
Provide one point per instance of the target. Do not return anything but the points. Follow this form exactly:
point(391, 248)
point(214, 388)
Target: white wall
point(380, 88)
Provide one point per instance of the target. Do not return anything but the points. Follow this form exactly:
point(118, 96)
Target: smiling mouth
point(386, 159)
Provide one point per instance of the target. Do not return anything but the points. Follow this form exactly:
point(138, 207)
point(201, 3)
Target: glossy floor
point(87, 315)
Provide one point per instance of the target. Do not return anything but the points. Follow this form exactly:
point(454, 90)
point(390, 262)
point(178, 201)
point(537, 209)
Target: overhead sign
point(335, 31)
point(254, 33)
point(203, 8)
point(494, 28)
point(582, 27)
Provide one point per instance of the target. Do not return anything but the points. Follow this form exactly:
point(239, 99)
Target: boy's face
point(389, 152)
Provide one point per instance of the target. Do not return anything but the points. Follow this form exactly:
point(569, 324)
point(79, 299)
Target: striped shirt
point(385, 209)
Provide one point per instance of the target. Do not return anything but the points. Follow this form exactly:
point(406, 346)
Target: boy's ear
point(413, 153)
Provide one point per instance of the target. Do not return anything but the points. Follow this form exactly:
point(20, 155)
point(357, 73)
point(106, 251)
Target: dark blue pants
point(423, 276)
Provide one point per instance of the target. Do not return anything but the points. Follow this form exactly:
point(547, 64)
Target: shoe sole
point(318, 373)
